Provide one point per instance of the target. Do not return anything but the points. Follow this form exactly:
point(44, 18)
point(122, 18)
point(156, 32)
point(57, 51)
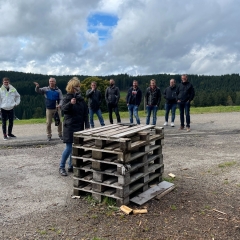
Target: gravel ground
point(36, 203)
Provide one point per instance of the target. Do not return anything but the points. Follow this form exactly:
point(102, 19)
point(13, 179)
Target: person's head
point(135, 83)
point(152, 83)
point(184, 78)
point(52, 82)
point(172, 82)
point(111, 82)
point(73, 85)
point(93, 85)
point(6, 82)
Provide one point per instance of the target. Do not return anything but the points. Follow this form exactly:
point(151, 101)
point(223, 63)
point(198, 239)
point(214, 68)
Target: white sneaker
point(165, 124)
point(172, 124)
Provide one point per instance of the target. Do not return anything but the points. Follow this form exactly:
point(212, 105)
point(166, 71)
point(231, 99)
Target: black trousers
point(7, 115)
point(111, 108)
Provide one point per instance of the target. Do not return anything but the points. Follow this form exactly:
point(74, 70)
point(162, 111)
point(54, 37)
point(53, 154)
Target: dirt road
point(35, 201)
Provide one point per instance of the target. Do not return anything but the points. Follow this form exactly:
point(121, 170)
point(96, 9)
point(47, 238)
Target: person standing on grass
point(76, 118)
point(9, 98)
point(185, 94)
point(112, 96)
point(94, 101)
point(153, 98)
point(53, 101)
point(133, 99)
point(171, 102)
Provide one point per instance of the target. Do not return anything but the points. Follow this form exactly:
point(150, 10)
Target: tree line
point(210, 90)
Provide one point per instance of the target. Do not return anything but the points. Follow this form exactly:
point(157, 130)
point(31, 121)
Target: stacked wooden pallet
point(117, 161)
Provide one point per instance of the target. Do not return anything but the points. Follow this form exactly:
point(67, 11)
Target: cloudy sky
point(101, 37)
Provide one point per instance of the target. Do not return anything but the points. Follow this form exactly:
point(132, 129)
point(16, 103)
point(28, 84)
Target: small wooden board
point(151, 193)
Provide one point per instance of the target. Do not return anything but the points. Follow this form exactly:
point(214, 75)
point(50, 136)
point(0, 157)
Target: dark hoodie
point(185, 92)
point(75, 116)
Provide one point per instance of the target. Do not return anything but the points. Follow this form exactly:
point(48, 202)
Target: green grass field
point(198, 110)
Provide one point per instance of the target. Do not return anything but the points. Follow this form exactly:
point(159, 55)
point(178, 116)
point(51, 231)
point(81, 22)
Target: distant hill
point(210, 90)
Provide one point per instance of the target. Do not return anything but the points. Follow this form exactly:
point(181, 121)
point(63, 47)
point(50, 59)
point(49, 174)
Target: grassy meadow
point(197, 110)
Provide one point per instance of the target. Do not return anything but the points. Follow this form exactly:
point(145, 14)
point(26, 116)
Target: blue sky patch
point(101, 24)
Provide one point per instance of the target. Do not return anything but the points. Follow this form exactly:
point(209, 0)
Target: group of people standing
point(77, 112)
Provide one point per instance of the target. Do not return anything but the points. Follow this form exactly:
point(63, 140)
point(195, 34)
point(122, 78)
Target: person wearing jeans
point(75, 112)
point(153, 98)
point(133, 99)
point(185, 94)
point(168, 107)
point(184, 106)
point(9, 98)
point(171, 102)
point(94, 101)
point(153, 110)
point(112, 96)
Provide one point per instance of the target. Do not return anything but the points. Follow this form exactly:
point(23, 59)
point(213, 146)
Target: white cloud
point(173, 36)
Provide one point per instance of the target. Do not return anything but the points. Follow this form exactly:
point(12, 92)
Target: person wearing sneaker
point(153, 98)
point(76, 118)
point(9, 98)
point(94, 101)
point(112, 96)
point(171, 102)
point(133, 99)
point(53, 101)
point(185, 93)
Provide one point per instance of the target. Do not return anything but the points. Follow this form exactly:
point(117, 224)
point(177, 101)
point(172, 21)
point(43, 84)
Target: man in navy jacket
point(133, 99)
point(171, 102)
point(185, 94)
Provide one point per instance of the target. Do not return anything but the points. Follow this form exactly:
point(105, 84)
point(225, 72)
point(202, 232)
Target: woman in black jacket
point(75, 112)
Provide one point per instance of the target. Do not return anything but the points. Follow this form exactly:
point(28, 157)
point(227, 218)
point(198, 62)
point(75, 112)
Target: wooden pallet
point(117, 161)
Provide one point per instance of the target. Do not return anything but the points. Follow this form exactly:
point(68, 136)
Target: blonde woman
point(76, 118)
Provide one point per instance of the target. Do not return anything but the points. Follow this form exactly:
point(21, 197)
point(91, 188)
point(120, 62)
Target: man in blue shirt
point(53, 101)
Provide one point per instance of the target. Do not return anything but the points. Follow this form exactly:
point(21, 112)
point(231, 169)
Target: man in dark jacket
point(171, 102)
point(153, 98)
point(94, 102)
point(185, 94)
point(53, 101)
point(112, 96)
point(133, 99)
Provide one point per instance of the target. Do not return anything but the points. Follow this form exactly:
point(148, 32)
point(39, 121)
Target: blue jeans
point(168, 107)
point(133, 110)
point(151, 109)
point(184, 106)
point(99, 115)
point(67, 153)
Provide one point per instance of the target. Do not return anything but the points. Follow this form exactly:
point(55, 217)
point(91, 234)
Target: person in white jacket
point(9, 98)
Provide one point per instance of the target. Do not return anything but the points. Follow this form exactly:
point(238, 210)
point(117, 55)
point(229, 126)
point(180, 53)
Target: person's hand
point(36, 84)
point(178, 101)
point(73, 101)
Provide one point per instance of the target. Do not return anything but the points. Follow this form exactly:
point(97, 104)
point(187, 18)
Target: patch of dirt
point(36, 201)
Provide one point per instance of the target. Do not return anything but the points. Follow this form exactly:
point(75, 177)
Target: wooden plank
point(112, 146)
point(110, 132)
point(138, 144)
point(165, 192)
point(132, 131)
point(95, 130)
point(151, 193)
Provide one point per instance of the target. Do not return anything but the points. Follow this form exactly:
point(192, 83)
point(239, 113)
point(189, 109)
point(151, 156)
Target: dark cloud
point(172, 36)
